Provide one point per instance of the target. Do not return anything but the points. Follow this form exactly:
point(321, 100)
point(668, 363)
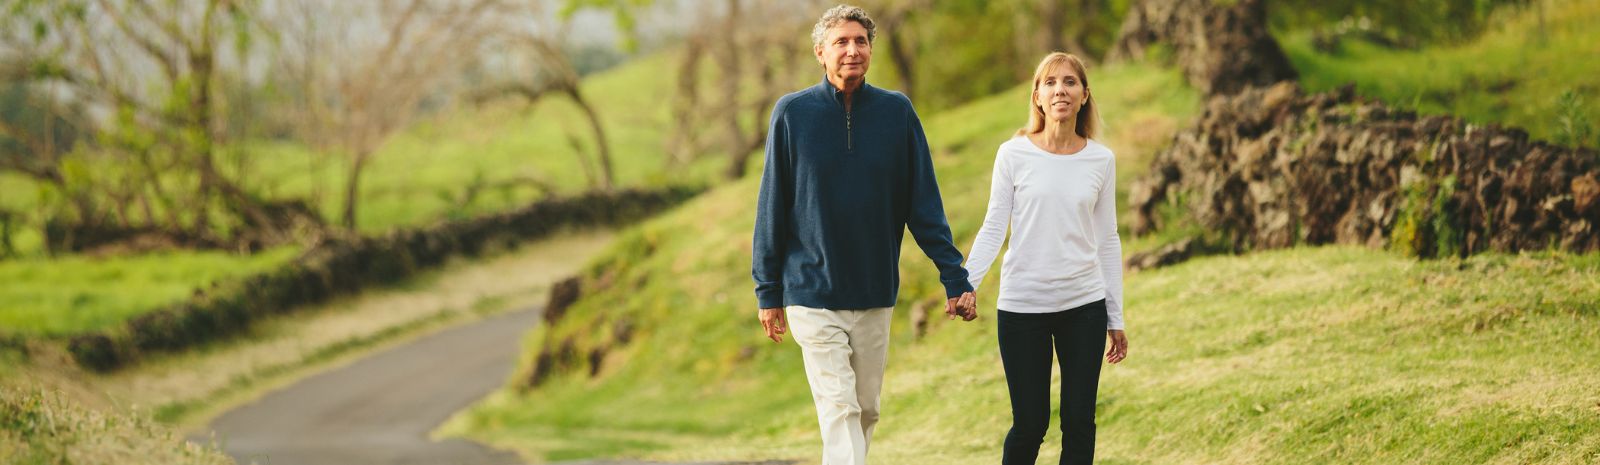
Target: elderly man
point(847, 172)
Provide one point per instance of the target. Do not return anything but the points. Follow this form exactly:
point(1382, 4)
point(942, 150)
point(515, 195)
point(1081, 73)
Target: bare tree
point(540, 41)
point(683, 142)
point(368, 67)
point(754, 45)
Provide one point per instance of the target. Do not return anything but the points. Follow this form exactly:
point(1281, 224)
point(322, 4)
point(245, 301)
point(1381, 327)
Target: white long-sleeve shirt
point(1062, 211)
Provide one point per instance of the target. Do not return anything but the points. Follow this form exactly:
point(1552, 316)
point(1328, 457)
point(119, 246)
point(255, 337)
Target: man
point(847, 172)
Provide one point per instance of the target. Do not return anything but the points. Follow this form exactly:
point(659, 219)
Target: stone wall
point(1273, 167)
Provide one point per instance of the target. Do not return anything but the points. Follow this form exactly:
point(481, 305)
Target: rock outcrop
point(1273, 167)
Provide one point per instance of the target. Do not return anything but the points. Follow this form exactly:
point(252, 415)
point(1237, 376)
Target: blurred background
point(1359, 231)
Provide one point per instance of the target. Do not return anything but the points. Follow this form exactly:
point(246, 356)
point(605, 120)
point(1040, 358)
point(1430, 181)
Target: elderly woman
point(1061, 281)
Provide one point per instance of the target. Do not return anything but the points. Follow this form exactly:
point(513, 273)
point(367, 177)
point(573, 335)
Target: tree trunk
point(683, 145)
point(1221, 49)
point(732, 73)
point(352, 189)
point(905, 64)
point(7, 250)
point(602, 148)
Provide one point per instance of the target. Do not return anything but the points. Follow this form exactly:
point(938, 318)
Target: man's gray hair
point(838, 15)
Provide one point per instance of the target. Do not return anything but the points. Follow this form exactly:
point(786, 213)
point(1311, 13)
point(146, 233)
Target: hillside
point(1305, 355)
point(704, 248)
point(1515, 74)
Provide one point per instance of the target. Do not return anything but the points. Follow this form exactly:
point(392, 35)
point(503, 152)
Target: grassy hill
point(1514, 74)
point(696, 369)
point(1326, 355)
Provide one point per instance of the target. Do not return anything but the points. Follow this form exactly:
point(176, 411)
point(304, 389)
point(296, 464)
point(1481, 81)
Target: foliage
point(1572, 124)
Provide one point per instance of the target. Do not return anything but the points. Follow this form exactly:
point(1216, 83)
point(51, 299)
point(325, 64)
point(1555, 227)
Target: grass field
point(1330, 355)
point(75, 294)
point(1514, 74)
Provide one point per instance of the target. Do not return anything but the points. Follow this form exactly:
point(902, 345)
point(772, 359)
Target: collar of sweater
point(861, 94)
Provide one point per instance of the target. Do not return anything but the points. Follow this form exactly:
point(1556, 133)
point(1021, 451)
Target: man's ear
point(816, 50)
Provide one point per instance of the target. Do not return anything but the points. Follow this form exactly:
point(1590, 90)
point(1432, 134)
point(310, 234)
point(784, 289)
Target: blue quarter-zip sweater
point(838, 192)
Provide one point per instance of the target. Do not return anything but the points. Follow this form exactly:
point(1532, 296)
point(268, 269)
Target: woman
point(1061, 282)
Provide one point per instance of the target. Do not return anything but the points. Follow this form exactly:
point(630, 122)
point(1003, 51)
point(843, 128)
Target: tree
point(542, 38)
point(35, 132)
point(154, 71)
point(765, 55)
point(365, 68)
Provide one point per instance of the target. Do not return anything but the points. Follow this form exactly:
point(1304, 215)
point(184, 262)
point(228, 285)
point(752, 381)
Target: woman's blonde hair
point(1088, 115)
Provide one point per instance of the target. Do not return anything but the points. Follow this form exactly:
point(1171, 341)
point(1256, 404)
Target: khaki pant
point(845, 353)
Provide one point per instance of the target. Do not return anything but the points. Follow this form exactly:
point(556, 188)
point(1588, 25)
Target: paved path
point(380, 409)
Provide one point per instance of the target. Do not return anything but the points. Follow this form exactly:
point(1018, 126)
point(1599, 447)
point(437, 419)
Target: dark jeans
point(1079, 337)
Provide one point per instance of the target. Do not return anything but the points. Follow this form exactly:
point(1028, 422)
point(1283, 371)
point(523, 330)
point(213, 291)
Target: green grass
point(1327, 355)
point(1514, 74)
point(80, 293)
point(682, 281)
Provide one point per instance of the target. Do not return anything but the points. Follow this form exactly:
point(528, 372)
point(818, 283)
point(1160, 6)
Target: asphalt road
point(379, 410)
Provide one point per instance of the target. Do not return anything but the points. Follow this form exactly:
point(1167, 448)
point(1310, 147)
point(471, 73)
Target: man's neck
point(847, 87)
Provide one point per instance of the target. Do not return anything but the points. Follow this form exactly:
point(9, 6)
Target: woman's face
point(1060, 94)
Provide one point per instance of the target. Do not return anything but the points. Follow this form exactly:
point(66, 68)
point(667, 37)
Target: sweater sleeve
point(1110, 246)
point(772, 211)
point(926, 220)
point(992, 234)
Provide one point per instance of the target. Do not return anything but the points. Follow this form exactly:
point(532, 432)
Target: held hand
point(1119, 346)
point(775, 322)
point(964, 306)
point(969, 302)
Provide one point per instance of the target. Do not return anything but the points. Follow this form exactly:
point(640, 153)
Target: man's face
point(845, 52)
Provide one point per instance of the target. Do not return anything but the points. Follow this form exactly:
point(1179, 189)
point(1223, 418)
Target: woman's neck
point(1060, 138)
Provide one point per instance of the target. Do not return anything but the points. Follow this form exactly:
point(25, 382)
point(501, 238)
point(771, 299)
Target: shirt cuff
point(955, 288)
point(769, 298)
